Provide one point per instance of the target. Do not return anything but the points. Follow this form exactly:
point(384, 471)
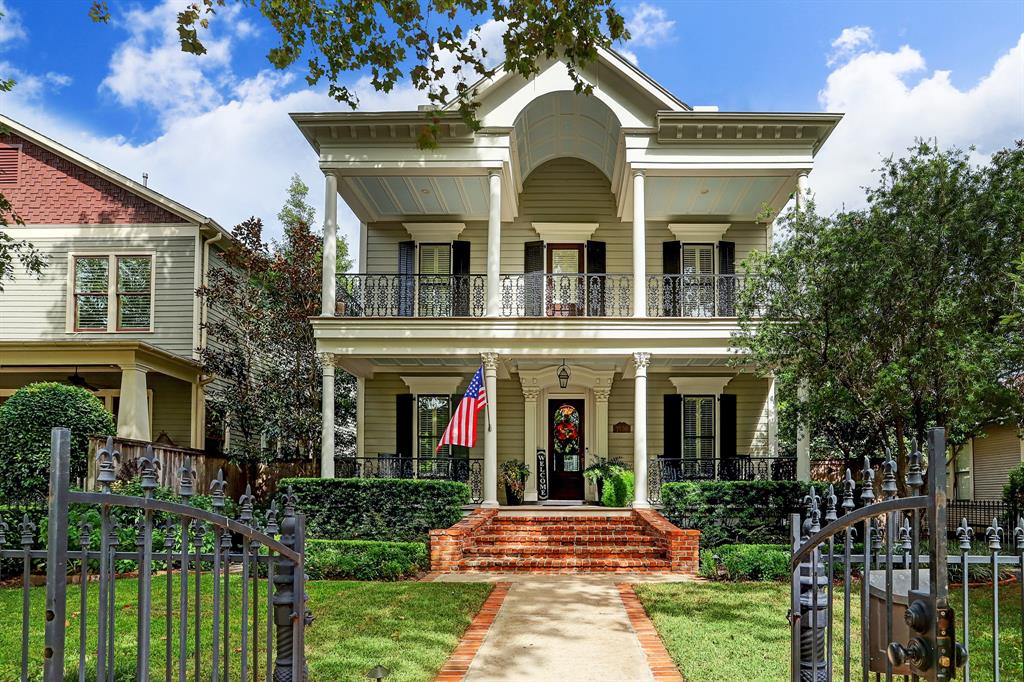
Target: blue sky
point(124, 95)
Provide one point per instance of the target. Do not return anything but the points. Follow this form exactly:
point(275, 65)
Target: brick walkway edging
point(660, 663)
point(457, 665)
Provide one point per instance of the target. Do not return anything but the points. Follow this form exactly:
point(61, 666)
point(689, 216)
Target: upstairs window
point(119, 283)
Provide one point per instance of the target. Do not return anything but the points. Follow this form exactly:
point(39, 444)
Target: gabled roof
point(8, 124)
point(607, 57)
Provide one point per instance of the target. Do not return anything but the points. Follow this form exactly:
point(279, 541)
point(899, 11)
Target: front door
point(565, 443)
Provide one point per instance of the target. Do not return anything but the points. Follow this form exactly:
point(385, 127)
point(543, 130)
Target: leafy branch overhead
point(436, 44)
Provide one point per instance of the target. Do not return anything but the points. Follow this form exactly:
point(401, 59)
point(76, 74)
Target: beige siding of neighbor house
point(37, 309)
point(562, 190)
point(172, 408)
point(994, 457)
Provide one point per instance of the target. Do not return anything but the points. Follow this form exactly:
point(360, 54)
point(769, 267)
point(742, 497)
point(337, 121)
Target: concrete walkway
point(562, 628)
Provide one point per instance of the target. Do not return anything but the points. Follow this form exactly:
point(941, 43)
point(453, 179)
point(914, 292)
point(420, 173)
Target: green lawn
point(408, 627)
point(721, 632)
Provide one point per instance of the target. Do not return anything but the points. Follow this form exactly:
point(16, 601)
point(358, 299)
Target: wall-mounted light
point(563, 375)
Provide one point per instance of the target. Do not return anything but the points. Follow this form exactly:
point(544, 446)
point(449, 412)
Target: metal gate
point(236, 583)
point(908, 629)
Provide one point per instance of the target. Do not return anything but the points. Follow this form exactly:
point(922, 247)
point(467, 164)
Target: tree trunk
point(901, 457)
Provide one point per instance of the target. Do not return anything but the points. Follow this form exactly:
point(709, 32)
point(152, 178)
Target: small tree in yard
point(894, 315)
point(260, 342)
point(26, 420)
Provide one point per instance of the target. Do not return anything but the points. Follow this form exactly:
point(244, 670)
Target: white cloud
point(890, 98)
point(649, 26)
point(849, 41)
point(58, 80)
point(11, 28)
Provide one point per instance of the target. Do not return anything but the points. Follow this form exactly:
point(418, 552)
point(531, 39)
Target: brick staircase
point(564, 542)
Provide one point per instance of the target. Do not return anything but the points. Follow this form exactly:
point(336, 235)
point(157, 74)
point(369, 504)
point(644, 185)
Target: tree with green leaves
point(435, 44)
point(893, 315)
point(261, 348)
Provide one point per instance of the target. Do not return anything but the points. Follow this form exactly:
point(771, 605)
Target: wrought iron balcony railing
point(468, 470)
point(693, 295)
point(400, 295)
point(566, 295)
point(737, 468)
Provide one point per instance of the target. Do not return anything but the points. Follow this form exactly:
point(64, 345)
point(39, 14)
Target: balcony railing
point(400, 295)
point(468, 470)
point(738, 468)
point(693, 295)
point(565, 295)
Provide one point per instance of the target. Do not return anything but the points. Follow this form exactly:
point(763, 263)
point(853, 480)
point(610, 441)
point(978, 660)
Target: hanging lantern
point(563, 375)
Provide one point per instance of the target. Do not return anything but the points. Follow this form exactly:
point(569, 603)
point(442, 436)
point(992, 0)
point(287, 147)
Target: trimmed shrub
point(745, 562)
point(364, 559)
point(731, 512)
point(617, 490)
point(1013, 494)
point(377, 508)
point(26, 419)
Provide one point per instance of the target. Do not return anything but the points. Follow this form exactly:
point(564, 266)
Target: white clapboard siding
point(994, 456)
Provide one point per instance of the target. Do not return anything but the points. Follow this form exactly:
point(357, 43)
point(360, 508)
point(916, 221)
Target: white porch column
point(490, 426)
point(773, 419)
point(601, 394)
point(803, 440)
point(330, 258)
point(133, 410)
point(494, 245)
point(327, 417)
point(640, 362)
point(530, 395)
point(803, 191)
point(639, 246)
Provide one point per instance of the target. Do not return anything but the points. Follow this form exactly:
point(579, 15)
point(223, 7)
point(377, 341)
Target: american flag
point(462, 428)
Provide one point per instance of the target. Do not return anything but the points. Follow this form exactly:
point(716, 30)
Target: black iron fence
point(978, 514)
point(209, 589)
point(738, 468)
point(566, 295)
point(468, 470)
point(693, 295)
point(402, 295)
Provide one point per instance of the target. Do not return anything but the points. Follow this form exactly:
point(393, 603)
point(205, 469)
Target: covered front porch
point(666, 417)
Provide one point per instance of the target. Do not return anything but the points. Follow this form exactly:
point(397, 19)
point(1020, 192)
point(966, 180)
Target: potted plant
point(514, 474)
point(601, 470)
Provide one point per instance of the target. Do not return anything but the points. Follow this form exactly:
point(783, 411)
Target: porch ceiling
point(398, 196)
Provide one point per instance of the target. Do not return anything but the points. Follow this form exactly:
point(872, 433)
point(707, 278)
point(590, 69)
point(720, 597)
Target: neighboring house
point(586, 250)
point(982, 466)
point(115, 310)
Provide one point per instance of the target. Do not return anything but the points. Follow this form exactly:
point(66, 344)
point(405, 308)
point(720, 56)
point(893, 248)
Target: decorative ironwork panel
point(404, 295)
point(693, 295)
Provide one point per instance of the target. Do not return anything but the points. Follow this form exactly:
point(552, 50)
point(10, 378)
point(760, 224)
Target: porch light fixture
point(563, 375)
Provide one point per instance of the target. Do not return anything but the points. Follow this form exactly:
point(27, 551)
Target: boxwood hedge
point(364, 559)
point(729, 512)
point(377, 508)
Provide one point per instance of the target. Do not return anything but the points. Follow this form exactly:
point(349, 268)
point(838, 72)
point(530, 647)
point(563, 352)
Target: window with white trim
point(433, 412)
point(112, 292)
point(698, 427)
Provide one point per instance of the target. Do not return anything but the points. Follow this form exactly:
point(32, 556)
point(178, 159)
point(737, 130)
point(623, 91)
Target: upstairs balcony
point(536, 295)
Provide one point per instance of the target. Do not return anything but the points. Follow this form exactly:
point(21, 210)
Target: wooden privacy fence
point(205, 466)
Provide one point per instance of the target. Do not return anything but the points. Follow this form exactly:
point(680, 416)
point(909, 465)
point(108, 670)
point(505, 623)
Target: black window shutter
point(404, 423)
point(460, 278)
point(671, 264)
point(727, 280)
point(406, 277)
point(673, 425)
point(533, 266)
point(727, 426)
point(596, 268)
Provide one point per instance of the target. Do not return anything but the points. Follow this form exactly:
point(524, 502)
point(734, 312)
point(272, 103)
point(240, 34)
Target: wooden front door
point(565, 443)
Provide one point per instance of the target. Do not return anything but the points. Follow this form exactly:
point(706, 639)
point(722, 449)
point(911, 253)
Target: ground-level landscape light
point(378, 673)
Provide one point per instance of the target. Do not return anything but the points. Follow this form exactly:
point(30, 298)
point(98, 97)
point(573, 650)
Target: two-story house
point(115, 310)
point(587, 250)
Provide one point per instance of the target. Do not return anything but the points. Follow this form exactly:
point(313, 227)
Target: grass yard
point(722, 632)
point(408, 627)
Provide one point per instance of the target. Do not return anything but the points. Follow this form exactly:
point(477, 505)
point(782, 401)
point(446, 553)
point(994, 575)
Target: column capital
point(641, 360)
point(327, 360)
point(639, 172)
point(602, 393)
point(490, 361)
point(134, 366)
point(531, 393)
point(494, 172)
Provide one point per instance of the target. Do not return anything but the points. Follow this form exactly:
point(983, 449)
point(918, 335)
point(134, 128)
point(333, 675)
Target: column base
point(490, 504)
point(641, 505)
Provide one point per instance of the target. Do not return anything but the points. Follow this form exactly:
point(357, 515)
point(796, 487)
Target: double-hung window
point(698, 291)
point(699, 435)
point(112, 293)
point(435, 280)
point(433, 412)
